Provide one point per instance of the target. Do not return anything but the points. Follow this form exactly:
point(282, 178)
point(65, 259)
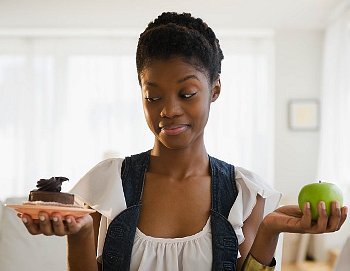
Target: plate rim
point(51, 207)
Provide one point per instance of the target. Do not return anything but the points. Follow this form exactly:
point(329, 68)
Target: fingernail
point(307, 205)
point(69, 220)
point(42, 218)
point(24, 220)
point(323, 205)
point(346, 210)
point(337, 204)
point(55, 219)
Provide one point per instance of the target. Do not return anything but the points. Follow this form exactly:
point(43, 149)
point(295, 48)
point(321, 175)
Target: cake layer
point(60, 197)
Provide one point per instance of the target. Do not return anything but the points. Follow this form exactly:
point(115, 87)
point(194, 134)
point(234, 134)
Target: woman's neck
point(179, 163)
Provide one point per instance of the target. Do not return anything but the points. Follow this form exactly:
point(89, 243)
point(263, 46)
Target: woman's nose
point(171, 108)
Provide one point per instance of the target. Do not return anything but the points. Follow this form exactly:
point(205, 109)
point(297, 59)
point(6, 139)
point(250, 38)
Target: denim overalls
point(120, 236)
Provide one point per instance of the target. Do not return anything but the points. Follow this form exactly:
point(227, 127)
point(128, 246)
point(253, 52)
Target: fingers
point(334, 221)
point(287, 219)
point(335, 217)
point(306, 219)
point(344, 213)
point(292, 210)
point(45, 224)
point(324, 223)
point(75, 225)
point(322, 220)
point(33, 228)
point(320, 226)
point(56, 224)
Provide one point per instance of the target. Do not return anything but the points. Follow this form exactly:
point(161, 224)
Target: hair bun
point(180, 34)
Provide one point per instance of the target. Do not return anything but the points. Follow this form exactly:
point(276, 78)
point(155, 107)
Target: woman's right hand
point(81, 243)
point(58, 225)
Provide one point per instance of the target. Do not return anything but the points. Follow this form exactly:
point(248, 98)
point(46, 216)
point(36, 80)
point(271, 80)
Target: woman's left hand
point(290, 218)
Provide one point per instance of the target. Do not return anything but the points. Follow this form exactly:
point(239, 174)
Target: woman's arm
point(81, 249)
point(289, 218)
point(81, 235)
point(261, 235)
point(83, 245)
point(250, 229)
point(96, 223)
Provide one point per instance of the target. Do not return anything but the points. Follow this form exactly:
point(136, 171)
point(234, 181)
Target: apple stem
point(319, 181)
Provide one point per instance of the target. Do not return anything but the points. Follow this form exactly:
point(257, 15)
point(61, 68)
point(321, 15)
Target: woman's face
point(176, 101)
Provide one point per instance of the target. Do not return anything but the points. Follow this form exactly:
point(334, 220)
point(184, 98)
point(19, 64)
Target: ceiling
point(275, 14)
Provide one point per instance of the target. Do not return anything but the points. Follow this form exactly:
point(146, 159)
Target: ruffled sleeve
point(101, 188)
point(249, 185)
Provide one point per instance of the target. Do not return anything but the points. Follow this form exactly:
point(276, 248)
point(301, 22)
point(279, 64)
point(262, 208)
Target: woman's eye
point(152, 99)
point(187, 96)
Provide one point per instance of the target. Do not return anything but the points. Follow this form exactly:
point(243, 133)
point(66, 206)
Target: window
point(67, 103)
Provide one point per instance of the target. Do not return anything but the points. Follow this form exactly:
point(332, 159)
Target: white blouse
point(101, 188)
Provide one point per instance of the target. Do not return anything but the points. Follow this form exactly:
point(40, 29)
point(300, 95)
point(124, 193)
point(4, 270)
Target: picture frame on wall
point(303, 114)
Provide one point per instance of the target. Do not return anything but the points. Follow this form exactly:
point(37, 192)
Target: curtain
point(334, 158)
point(241, 124)
point(68, 103)
point(334, 153)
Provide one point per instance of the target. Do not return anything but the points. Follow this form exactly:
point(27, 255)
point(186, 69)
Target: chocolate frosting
point(51, 185)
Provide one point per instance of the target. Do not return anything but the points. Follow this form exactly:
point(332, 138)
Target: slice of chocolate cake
point(49, 190)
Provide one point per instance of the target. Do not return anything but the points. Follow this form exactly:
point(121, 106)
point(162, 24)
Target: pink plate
point(33, 210)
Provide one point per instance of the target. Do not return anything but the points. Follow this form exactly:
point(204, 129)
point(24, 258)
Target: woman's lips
point(174, 129)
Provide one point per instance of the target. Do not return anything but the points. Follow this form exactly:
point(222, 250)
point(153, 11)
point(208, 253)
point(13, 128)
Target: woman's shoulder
point(249, 186)
point(104, 172)
point(250, 181)
point(109, 163)
point(101, 187)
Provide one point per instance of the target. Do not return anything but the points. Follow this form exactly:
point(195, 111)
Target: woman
point(175, 207)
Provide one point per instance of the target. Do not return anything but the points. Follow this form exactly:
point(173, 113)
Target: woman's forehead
point(174, 68)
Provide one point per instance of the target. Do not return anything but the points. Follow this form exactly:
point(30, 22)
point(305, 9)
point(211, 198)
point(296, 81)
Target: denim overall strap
point(224, 193)
point(134, 169)
point(120, 235)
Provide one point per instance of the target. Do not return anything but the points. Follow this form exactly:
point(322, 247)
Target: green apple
point(316, 192)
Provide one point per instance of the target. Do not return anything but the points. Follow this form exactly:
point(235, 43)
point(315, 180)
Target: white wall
point(298, 68)
point(137, 13)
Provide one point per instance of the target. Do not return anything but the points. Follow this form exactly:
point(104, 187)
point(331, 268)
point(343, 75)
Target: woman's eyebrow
point(150, 84)
point(188, 77)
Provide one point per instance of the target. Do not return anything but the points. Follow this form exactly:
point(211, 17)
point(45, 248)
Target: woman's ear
point(215, 91)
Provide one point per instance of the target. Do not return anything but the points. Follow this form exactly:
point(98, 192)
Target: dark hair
point(180, 35)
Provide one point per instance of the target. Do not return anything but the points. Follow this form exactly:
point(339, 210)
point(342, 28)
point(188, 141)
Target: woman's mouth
point(172, 130)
